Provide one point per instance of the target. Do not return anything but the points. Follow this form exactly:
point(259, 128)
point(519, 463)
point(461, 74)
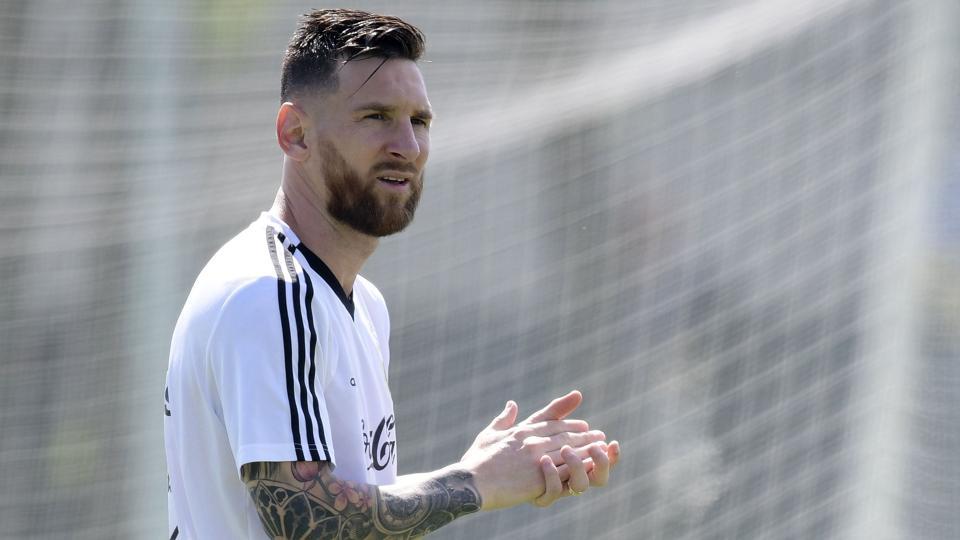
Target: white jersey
point(272, 361)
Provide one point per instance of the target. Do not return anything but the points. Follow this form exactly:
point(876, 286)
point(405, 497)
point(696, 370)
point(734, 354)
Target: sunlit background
point(734, 224)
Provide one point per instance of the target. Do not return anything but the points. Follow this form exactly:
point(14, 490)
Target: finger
point(559, 408)
point(578, 482)
point(564, 470)
point(554, 486)
point(506, 418)
point(601, 466)
point(548, 445)
point(553, 427)
point(613, 453)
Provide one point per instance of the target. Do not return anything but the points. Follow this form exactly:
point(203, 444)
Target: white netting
point(685, 209)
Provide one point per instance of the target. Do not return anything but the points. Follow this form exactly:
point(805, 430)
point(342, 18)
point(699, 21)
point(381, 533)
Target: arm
point(306, 500)
point(538, 460)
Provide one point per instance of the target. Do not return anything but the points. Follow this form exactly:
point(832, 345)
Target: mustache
point(398, 166)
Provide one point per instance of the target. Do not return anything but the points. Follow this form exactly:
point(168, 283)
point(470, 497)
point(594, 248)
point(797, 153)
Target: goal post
point(920, 135)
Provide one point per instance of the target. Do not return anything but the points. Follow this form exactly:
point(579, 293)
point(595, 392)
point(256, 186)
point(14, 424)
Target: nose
point(403, 142)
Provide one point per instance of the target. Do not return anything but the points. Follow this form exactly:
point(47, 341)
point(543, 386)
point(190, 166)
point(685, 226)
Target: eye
point(375, 116)
point(420, 122)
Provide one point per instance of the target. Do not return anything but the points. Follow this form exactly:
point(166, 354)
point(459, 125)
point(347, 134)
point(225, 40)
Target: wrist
point(468, 474)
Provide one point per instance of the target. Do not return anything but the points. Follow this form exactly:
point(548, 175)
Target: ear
point(291, 121)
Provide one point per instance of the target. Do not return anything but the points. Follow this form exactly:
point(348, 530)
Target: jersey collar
point(289, 238)
point(324, 271)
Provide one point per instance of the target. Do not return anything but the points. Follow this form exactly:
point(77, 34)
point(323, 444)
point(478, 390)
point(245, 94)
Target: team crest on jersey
point(380, 444)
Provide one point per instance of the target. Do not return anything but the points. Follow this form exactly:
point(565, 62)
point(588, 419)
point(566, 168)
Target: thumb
point(506, 418)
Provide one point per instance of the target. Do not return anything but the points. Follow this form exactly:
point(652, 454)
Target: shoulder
point(239, 282)
point(366, 292)
point(369, 291)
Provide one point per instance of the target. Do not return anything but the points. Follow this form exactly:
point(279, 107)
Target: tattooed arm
point(538, 460)
point(306, 500)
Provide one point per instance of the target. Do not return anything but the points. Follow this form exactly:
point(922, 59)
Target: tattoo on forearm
point(308, 502)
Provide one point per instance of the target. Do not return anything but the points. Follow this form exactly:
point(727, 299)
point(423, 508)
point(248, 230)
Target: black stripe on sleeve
point(287, 353)
point(301, 357)
point(175, 534)
point(313, 365)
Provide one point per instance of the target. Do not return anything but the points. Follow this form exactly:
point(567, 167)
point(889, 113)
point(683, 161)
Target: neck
point(343, 249)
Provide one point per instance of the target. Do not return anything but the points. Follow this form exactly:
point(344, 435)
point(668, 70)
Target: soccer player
point(279, 421)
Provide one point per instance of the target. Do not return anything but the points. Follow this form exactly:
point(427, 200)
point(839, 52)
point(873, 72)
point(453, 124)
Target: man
point(279, 421)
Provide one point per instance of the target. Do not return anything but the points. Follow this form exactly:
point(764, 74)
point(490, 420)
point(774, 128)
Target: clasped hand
point(540, 459)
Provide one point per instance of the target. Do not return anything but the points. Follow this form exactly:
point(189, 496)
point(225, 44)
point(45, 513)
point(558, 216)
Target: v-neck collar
point(315, 262)
point(324, 271)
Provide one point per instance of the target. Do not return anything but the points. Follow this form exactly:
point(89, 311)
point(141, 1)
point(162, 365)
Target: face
point(370, 145)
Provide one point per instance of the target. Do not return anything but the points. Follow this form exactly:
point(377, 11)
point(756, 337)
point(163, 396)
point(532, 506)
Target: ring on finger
point(574, 492)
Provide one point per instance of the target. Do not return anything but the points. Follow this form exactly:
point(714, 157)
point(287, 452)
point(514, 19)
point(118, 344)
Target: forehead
point(397, 82)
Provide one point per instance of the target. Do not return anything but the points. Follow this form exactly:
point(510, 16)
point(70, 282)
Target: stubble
point(356, 202)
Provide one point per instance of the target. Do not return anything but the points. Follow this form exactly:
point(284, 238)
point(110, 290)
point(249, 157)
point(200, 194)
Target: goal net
point(710, 216)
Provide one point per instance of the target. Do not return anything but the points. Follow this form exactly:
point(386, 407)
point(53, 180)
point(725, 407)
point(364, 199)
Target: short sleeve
point(267, 368)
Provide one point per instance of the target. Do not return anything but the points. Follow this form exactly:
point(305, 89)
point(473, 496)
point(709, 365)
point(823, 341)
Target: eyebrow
point(382, 107)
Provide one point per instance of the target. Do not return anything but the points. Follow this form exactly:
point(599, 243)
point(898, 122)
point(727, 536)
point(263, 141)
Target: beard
point(356, 203)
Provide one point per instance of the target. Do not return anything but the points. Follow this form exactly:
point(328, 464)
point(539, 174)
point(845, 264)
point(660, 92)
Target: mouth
point(393, 180)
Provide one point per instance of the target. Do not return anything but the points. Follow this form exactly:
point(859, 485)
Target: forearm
point(305, 500)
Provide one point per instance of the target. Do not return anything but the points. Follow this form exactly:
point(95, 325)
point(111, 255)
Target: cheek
point(424, 144)
point(354, 156)
point(363, 148)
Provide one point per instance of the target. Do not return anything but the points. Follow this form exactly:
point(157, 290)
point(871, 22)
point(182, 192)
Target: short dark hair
point(326, 36)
